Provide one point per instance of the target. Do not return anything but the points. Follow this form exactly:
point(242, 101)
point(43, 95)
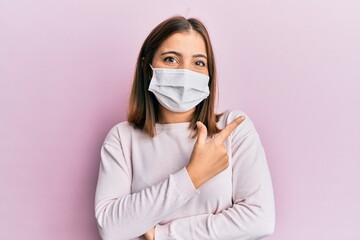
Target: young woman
point(176, 169)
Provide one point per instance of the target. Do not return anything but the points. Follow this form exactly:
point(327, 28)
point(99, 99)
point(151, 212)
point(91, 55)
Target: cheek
point(153, 62)
point(205, 71)
point(157, 62)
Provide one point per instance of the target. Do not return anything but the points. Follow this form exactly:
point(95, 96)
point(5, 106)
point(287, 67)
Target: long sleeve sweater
point(143, 183)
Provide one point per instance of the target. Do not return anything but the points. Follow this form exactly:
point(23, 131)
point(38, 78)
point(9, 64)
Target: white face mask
point(179, 90)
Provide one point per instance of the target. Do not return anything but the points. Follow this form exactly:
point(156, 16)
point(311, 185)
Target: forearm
point(132, 215)
point(242, 221)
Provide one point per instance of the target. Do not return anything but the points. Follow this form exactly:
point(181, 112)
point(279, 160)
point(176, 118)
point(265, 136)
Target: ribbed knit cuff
point(184, 183)
point(162, 232)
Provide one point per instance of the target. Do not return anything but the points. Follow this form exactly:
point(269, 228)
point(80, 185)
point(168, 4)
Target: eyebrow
point(180, 55)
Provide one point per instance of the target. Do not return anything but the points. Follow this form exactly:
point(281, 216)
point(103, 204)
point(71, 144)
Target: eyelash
point(203, 64)
point(169, 59)
point(172, 59)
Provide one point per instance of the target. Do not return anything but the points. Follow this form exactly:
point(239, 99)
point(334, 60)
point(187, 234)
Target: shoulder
point(122, 130)
point(228, 116)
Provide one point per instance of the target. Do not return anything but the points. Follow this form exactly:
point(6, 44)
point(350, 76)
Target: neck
point(167, 116)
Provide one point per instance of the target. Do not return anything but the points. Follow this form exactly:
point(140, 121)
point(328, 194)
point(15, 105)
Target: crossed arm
point(128, 215)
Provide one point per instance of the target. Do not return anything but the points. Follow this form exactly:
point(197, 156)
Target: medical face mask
point(179, 90)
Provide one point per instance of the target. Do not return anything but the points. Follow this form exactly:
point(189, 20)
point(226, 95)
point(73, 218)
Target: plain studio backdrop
point(66, 69)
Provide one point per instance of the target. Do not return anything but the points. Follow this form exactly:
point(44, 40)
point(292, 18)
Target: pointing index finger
point(225, 133)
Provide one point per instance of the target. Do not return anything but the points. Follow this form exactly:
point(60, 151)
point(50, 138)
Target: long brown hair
point(143, 105)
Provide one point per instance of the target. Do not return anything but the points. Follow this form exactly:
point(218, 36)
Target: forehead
point(187, 42)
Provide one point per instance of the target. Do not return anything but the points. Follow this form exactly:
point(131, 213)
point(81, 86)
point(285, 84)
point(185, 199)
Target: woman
point(175, 169)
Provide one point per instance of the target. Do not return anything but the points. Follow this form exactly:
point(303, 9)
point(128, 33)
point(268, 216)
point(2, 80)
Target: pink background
point(66, 69)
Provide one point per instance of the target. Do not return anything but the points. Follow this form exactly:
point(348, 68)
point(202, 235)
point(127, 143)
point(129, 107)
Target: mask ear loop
point(152, 74)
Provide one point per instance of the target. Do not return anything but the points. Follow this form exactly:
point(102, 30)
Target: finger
point(202, 133)
point(225, 133)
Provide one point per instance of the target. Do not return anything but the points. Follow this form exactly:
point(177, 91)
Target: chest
point(153, 161)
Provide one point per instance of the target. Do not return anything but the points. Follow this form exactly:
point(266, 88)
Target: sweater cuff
point(162, 232)
point(184, 184)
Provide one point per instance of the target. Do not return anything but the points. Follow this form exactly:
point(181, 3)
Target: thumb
point(202, 133)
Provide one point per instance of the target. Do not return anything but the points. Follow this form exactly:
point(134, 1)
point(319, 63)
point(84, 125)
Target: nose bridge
point(186, 62)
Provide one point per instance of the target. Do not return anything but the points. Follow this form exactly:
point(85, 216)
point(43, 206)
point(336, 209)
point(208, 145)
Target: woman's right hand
point(210, 158)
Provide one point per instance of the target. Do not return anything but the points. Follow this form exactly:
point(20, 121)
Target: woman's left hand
point(150, 235)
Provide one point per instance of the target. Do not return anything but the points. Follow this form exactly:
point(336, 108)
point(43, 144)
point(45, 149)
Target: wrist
point(194, 176)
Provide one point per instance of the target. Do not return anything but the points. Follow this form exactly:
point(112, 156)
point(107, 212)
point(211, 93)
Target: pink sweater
point(143, 183)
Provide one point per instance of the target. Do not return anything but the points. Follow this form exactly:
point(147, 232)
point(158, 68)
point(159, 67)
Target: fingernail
point(241, 118)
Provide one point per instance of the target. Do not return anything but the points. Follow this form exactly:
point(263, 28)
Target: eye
point(200, 63)
point(170, 60)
